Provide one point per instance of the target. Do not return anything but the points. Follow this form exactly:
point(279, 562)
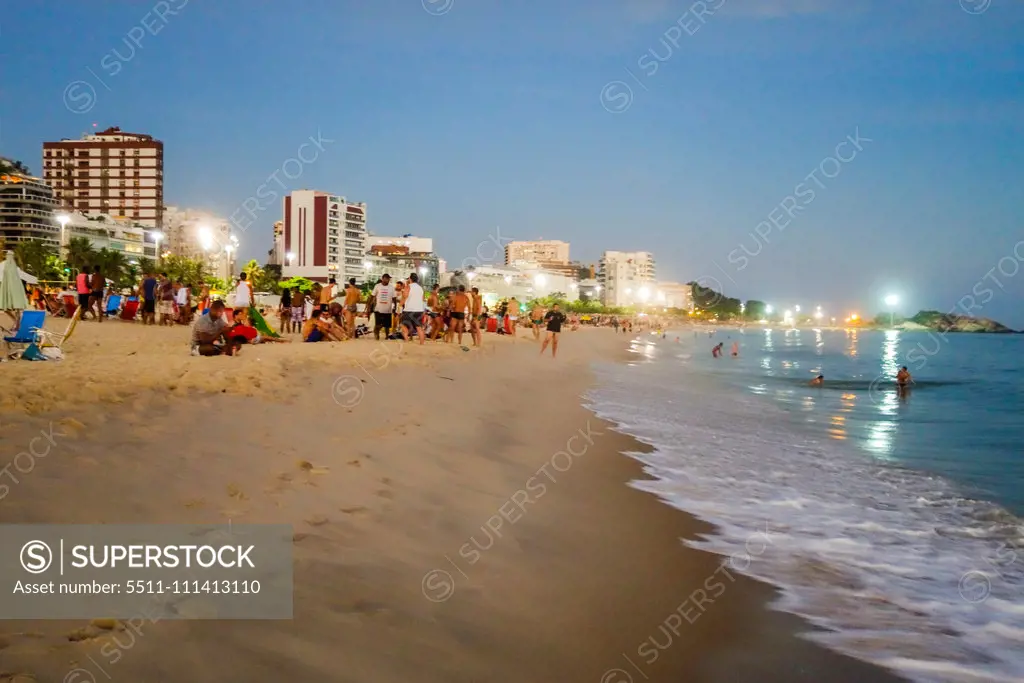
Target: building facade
point(540, 251)
point(415, 245)
point(198, 234)
point(133, 240)
point(399, 265)
point(276, 255)
point(324, 236)
point(674, 295)
point(112, 172)
point(27, 207)
point(627, 278)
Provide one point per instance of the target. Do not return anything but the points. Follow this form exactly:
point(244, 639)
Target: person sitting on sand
point(209, 330)
point(818, 381)
point(321, 328)
point(240, 333)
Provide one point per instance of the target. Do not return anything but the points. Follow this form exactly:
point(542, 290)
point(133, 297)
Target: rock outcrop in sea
point(948, 322)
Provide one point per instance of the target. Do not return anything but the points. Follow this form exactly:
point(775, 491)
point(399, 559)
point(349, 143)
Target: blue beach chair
point(28, 329)
point(113, 305)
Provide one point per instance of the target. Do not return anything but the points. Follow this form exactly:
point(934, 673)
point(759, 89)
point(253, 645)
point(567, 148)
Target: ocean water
point(894, 523)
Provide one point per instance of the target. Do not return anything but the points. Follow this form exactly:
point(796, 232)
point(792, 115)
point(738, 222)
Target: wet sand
point(458, 516)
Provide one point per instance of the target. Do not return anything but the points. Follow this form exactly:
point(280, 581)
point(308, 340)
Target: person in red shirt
point(247, 334)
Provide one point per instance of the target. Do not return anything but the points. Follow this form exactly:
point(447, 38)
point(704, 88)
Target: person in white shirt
point(243, 296)
point(413, 309)
point(381, 297)
point(184, 301)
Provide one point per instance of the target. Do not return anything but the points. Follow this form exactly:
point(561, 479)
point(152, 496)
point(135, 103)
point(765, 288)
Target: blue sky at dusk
point(456, 118)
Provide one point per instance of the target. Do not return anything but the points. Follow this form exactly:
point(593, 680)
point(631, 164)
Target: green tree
point(755, 310)
point(147, 265)
point(189, 271)
point(80, 254)
point(114, 266)
point(39, 259)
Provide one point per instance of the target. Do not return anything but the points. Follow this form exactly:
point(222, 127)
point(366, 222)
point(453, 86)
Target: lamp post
point(157, 237)
point(63, 219)
point(891, 302)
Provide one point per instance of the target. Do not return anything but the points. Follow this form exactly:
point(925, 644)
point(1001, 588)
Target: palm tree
point(80, 253)
point(147, 265)
point(113, 265)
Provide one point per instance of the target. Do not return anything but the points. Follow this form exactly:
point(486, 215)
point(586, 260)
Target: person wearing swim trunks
point(165, 306)
point(460, 302)
point(476, 313)
point(554, 319)
point(537, 319)
point(513, 315)
point(98, 285)
point(327, 293)
point(352, 296)
point(903, 380)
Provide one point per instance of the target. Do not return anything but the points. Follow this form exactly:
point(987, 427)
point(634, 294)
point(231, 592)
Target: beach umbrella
point(12, 290)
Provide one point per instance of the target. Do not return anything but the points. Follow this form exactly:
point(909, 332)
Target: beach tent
point(12, 291)
point(22, 275)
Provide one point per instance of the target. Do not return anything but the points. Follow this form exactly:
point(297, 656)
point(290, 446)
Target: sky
point(799, 152)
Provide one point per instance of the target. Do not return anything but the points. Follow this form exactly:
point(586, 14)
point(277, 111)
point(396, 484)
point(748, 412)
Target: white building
point(111, 172)
point(539, 251)
point(673, 295)
point(415, 245)
point(276, 254)
point(324, 236)
point(26, 211)
point(198, 234)
point(501, 282)
point(627, 278)
point(134, 240)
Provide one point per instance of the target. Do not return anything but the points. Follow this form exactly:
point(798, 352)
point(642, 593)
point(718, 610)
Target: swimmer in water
point(818, 381)
point(903, 380)
point(735, 349)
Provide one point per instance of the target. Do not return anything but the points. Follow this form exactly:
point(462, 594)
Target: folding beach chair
point(131, 307)
point(56, 340)
point(70, 306)
point(113, 305)
point(29, 327)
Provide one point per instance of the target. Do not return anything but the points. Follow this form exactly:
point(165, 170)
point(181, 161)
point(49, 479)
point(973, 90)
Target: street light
point(63, 219)
point(205, 238)
point(291, 257)
point(891, 302)
point(157, 236)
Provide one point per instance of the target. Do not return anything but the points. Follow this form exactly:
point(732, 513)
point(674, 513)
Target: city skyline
point(903, 122)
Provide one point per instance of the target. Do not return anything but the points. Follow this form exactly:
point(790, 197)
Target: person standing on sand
point(536, 319)
point(166, 303)
point(148, 290)
point(327, 294)
point(382, 295)
point(284, 310)
point(298, 309)
point(412, 310)
point(460, 302)
point(554, 318)
point(84, 293)
point(352, 296)
point(184, 301)
point(475, 314)
point(434, 312)
point(98, 286)
point(513, 315)
point(243, 297)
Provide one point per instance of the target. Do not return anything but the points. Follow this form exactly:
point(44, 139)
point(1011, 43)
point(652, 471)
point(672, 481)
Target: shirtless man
point(513, 315)
point(537, 319)
point(352, 296)
point(327, 294)
point(460, 302)
point(434, 312)
point(903, 380)
point(818, 381)
point(476, 312)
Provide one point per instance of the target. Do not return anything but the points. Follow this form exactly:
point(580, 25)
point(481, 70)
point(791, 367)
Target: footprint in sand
point(355, 510)
point(355, 463)
point(386, 495)
point(317, 520)
point(236, 493)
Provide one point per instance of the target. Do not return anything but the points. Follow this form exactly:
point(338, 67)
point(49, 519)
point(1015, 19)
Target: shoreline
point(496, 490)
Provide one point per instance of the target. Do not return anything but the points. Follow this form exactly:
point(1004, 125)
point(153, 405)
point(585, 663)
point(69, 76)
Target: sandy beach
point(457, 516)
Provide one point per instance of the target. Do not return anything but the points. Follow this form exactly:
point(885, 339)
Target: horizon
point(804, 152)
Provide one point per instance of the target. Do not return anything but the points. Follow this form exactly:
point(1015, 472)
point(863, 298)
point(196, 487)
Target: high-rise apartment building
point(198, 234)
point(627, 278)
point(111, 172)
point(27, 211)
point(324, 236)
point(542, 251)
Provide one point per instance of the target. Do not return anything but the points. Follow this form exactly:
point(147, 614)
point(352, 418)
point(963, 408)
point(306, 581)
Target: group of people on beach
point(398, 310)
